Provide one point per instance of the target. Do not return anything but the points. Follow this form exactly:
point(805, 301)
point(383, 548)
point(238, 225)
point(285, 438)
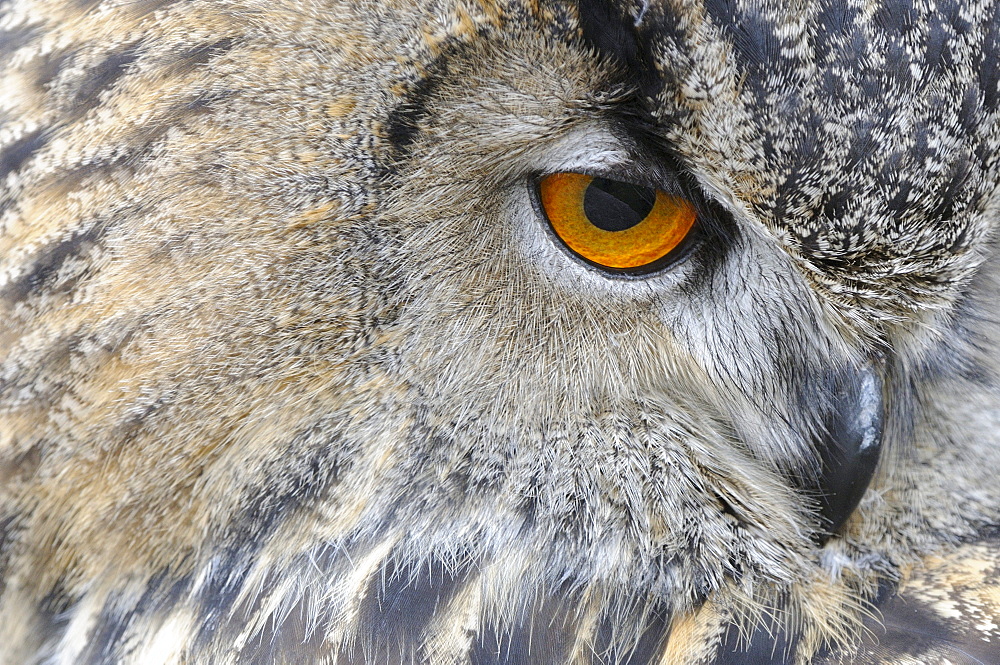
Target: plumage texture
point(291, 369)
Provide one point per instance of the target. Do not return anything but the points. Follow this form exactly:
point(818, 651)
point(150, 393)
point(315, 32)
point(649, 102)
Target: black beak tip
point(851, 446)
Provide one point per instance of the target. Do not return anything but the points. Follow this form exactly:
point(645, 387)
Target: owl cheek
point(850, 443)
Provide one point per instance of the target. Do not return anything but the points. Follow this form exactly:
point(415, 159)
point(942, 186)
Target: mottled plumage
point(292, 369)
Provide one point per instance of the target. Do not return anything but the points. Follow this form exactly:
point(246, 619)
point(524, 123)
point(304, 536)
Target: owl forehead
point(862, 134)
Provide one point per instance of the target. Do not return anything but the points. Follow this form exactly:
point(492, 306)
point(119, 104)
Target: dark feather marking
point(203, 53)
point(286, 488)
point(8, 527)
point(50, 65)
point(767, 645)
point(15, 39)
point(217, 599)
point(840, 39)
point(20, 151)
point(989, 71)
point(494, 648)
point(102, 341)
point(134, 150)
point(401, 602)
point(911, 625)
point(49, 618)
point(106, 635)
point(987, 532)
point(102, 77)
point(139, 416)
point(757, 48)
point(403, 122)
point(911, 629)
point(105, 74)
point(606, 27)
point(645, 648)
point(105, 640)
point(753, 36)
point(286, 638)
point(21, 465)
point(204, 101)
point(538, 635)
point(283, 486)
point(46, 264)
point(895, 21)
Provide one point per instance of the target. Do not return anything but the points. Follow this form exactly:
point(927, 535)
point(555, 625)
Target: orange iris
point(588, 215)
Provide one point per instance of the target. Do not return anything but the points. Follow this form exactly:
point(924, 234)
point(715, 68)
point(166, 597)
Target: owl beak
point(850, 445)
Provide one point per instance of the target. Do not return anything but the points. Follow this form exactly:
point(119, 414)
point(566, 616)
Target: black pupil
point(612, 205)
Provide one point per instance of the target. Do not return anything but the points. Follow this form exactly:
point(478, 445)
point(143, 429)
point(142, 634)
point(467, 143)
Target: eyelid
point(608, 151)
point(627, 172)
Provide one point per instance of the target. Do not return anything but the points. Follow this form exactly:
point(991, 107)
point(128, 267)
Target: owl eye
point(615, 225)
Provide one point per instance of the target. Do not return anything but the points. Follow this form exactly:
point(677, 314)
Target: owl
point(499, 332)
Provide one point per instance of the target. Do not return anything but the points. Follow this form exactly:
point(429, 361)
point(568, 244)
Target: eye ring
point(616, 226)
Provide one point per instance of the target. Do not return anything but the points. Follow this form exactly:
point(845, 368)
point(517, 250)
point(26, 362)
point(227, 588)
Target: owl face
point(533, 334)
point(626, 417)
point(391, 333)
